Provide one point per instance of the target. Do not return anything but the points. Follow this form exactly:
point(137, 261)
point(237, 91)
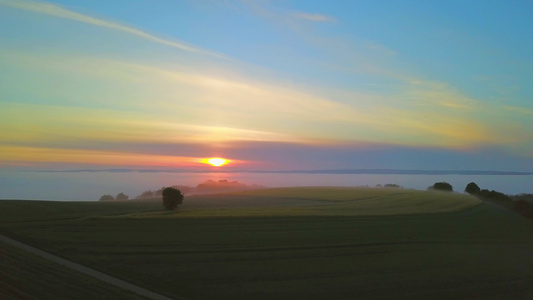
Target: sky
point(268, 85)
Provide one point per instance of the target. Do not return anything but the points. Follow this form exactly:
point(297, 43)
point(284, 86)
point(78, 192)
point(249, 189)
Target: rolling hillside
point(223, 247)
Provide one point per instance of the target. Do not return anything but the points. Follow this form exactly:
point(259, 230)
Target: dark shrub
point(493, 195)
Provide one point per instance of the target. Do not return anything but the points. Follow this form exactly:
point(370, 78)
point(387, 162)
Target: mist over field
point(89, 186)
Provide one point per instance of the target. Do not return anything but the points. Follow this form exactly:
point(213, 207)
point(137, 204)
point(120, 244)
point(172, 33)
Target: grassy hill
point(337, 201)
point(304, 243)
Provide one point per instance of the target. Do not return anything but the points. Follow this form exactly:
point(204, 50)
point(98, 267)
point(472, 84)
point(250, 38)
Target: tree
point(441, 186)
point(171, 198)
point(392, 185)
point(107, 198)
point(472, 188)
point(122, 197)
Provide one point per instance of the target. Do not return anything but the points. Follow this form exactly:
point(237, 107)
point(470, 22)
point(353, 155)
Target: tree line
point(172, 197)
point(118, 197)
point(522, 203)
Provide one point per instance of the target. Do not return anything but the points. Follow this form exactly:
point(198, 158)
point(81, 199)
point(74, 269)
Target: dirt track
point(87, 271)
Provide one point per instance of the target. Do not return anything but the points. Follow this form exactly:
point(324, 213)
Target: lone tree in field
point(441, 186)
point(171, 198)
point(472, 188)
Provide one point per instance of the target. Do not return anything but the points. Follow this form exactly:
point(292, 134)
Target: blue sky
point(269, 85)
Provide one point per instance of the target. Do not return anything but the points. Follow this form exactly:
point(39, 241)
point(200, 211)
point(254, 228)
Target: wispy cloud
point(60, 12)
point(407, 106)
point(150, 103)
point(312, 17)
point(431, 127)
point(426, 92)
point(220, 109)
point(519, 110)
point(56, 125)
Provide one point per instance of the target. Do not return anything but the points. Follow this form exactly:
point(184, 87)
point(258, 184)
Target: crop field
point(329, 201)
point(304, 243)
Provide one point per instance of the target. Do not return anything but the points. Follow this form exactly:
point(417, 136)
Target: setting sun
point(217, 161)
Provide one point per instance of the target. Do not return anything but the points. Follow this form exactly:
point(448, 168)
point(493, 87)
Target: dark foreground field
point(26, 276)
point(480, 252)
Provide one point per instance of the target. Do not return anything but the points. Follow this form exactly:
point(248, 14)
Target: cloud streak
point(408, 107)
point(218, 109)
point(53, 125)
point(60, 12)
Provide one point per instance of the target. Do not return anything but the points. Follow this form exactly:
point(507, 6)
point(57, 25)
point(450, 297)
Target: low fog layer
point(207, 187)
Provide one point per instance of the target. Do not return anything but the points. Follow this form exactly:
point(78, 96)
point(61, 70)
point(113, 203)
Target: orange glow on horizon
point(21, 155)
point(15, 154)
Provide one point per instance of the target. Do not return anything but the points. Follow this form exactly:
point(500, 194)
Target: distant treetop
point(472, 188)
point(441, 186)
point(122, 197)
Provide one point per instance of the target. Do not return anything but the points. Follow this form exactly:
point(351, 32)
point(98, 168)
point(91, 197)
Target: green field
point(305, 243)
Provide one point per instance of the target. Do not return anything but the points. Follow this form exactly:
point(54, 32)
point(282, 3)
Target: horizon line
point(313, 171)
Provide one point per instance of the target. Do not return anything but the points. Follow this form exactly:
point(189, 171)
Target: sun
point(217, 161)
